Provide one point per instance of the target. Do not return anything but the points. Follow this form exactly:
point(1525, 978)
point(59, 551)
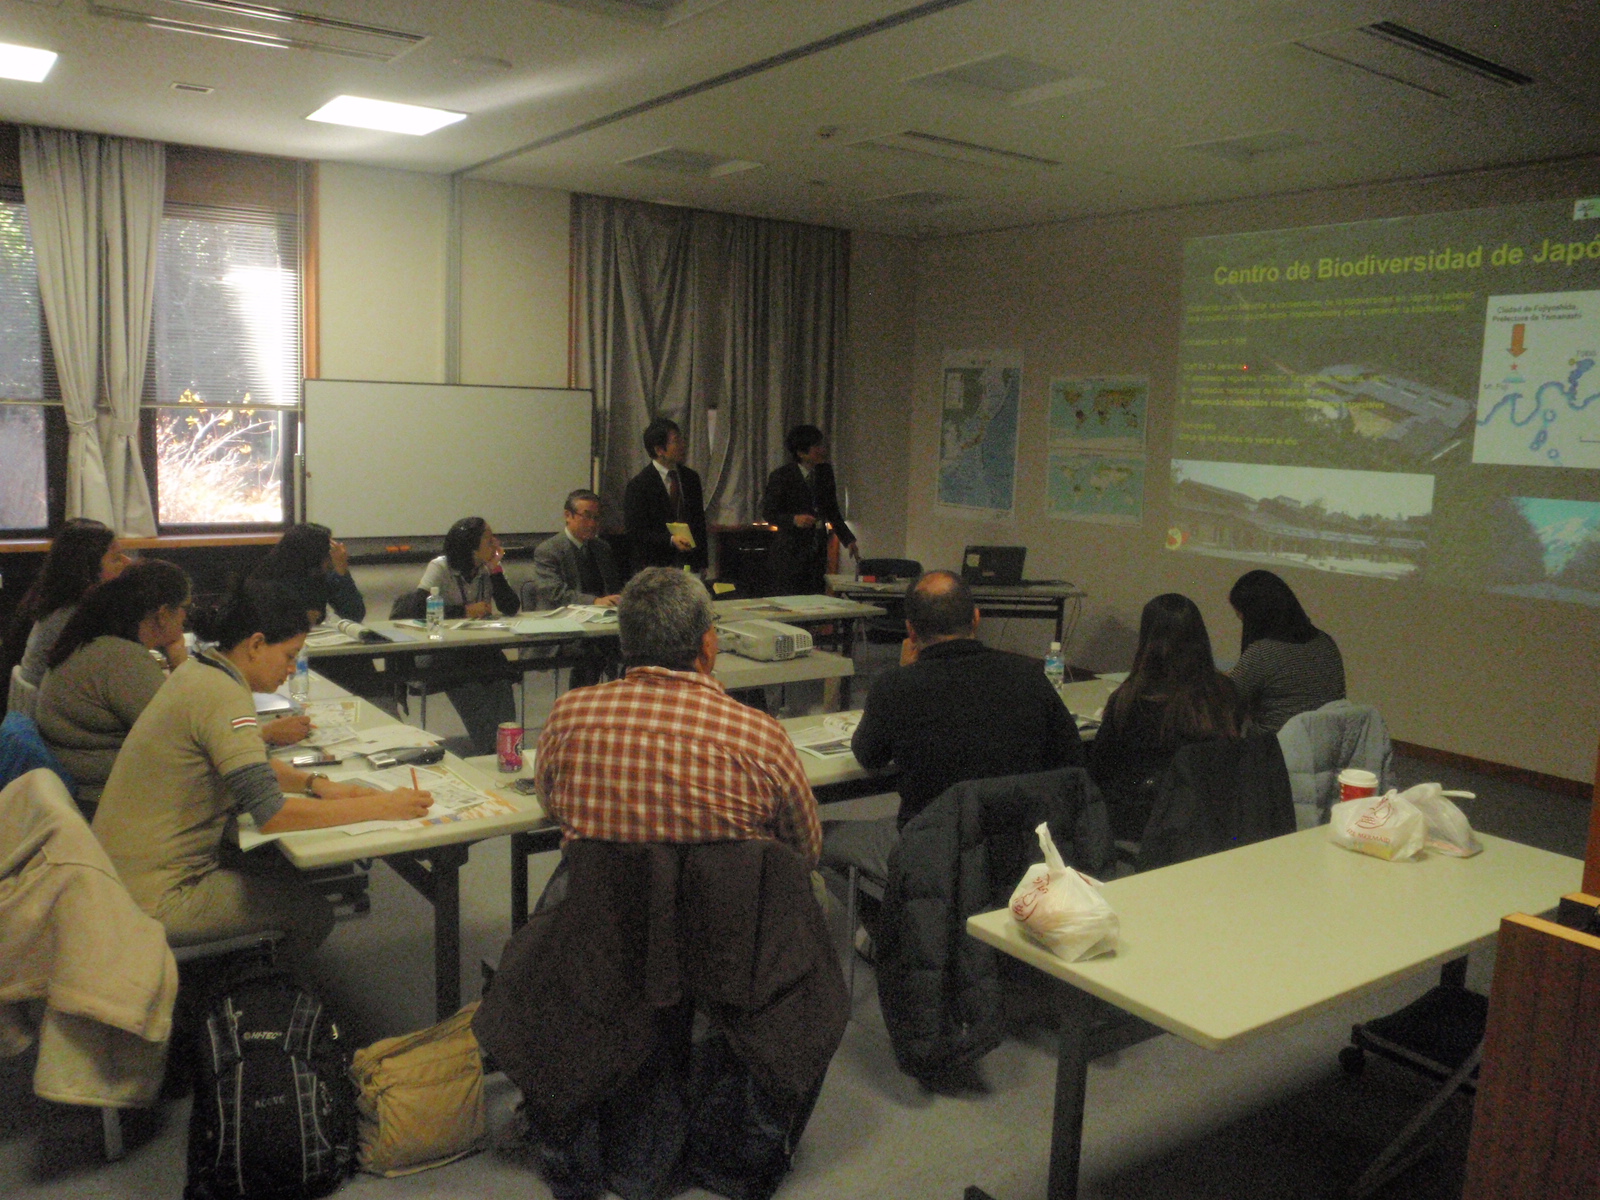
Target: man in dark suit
point(955, 709)
point(575, 566)
point(802, 500)
point(665, 493)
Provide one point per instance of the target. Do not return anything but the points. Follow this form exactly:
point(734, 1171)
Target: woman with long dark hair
point(104, 669)
point(1174, 695)
point(1286, 664)
point(194, 760)
point(83, 554)
point(309, 560)
point(471, 584)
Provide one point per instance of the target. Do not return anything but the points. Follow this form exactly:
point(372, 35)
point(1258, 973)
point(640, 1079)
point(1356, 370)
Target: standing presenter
point(802, 500)
point(664, 507)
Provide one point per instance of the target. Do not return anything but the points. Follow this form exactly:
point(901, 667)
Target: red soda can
point(508, 745)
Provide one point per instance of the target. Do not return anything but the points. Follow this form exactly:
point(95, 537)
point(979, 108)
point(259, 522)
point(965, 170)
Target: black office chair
point(889, 629)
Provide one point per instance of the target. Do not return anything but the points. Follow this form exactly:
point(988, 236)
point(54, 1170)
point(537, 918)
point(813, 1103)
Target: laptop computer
point(993, 564)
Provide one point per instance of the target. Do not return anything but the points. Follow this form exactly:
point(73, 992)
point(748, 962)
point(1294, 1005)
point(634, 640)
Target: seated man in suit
point(953, 710)
point(802, 500)
point(664, 754)
point(576, 566)
point(664, 494)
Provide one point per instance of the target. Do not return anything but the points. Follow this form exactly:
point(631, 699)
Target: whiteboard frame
point(389, 434)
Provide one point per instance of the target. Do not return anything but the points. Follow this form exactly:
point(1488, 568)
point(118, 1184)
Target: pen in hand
point(414, 786)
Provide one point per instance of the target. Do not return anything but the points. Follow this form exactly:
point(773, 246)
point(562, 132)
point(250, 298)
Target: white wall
point(1489, 676)
point(383, 244)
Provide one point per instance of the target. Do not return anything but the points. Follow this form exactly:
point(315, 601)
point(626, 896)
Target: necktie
point(674, 494)
point(589, 577)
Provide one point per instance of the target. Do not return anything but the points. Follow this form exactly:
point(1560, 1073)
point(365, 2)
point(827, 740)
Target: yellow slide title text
point(1447, 259)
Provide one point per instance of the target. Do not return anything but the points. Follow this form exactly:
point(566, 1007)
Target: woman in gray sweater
point(107, 664)
point(1286, 664)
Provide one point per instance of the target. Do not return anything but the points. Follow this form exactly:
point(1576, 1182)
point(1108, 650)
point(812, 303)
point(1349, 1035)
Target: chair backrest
point(23, 750)
point(1218, 795)
point(1317, 745)
point(22, 696)
point(883, 569)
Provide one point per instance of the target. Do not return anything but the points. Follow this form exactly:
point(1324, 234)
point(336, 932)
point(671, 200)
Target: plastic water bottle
point(435, 616)
point(300, 687)
point(1055, 668)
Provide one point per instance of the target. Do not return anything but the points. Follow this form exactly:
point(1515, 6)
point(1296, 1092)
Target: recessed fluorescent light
point(25, 63)
point(384, 115)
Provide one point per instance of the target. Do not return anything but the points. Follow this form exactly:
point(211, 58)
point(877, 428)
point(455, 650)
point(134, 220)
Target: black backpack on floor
point(274, 1110)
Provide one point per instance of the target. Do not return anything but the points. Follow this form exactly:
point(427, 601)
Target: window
point(224, 380)
point(23, 495)
point(222, 384)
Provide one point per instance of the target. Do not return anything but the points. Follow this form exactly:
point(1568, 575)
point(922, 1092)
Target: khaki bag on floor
point(420, 1098)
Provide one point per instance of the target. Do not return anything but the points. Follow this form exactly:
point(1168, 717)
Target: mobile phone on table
point(319, 758)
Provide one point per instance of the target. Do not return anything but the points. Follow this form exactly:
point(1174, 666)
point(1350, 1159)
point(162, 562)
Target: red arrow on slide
point(1517, 332)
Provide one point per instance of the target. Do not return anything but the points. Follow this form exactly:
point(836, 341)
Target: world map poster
point(1096, 468)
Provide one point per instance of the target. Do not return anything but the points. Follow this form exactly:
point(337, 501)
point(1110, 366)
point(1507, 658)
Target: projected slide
point(1386, 398)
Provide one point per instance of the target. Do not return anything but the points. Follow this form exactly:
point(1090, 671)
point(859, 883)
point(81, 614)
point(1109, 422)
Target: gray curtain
point(94, 204)
point(731, 326)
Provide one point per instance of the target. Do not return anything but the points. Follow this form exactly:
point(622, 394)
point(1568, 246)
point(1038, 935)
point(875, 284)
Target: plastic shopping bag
point(1387, 826)
point(1063, 909)
point(1448, 830)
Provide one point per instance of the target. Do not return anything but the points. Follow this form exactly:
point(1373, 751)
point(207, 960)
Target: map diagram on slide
point(978, 430)
point(1539, 387)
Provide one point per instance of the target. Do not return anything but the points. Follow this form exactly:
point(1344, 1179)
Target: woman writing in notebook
point(194, 761)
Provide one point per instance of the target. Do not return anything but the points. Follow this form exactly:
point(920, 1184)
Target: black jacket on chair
point(965, 854)
point(590, 1016)
point(646, 509)
point(799, 556)
point(1217, 795)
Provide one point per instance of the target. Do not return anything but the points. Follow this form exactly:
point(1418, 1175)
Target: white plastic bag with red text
point(1387, 826)
point(1062, 909)
point(1449, 831)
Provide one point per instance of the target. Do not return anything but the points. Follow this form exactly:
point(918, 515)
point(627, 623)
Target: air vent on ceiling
point(193, 89)
point(1251, 147)
point(1415, 60)
point(262, 25)
point(689, 162)
point(644, 12)
point(912, 143)
point(916, 201)
point(1007, 79)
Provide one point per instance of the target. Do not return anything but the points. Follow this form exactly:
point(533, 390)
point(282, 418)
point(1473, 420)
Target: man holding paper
point(663, 508)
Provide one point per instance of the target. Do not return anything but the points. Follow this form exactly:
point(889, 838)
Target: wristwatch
point(311, 782)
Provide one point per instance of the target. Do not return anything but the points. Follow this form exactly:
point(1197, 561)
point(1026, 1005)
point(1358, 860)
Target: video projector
point(767, 641)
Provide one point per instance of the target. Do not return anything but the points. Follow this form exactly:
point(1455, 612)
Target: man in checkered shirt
point(665, 754)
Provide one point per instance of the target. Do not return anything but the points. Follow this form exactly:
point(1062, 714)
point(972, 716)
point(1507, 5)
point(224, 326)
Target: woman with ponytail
point(194, 761)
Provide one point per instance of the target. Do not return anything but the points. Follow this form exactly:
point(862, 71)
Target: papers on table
point(453, 798)
point(551, 624)
point(830, 738)
point(332, 722)
point(573, 618)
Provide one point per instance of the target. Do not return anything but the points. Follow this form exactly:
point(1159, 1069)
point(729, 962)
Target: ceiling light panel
point(263, 25)
point(1006, 79)
point(1251, 147)
point(921, 200)
point(25, 63)
point(384, 115)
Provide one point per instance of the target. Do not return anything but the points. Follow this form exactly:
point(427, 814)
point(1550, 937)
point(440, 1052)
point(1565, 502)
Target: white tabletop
point(734, 672)
point(308, 848)
point(1256, 938)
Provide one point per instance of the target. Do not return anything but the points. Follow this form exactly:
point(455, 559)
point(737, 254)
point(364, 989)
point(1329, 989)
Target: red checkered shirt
point(668, 756)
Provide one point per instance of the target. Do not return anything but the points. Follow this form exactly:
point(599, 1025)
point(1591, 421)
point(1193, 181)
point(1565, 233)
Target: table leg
point(1072, 1069)
point(436, 874)
point(521, 847)
point(1061, 621)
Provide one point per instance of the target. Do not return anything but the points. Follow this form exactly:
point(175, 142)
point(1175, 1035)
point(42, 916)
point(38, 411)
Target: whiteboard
point(409, 459)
